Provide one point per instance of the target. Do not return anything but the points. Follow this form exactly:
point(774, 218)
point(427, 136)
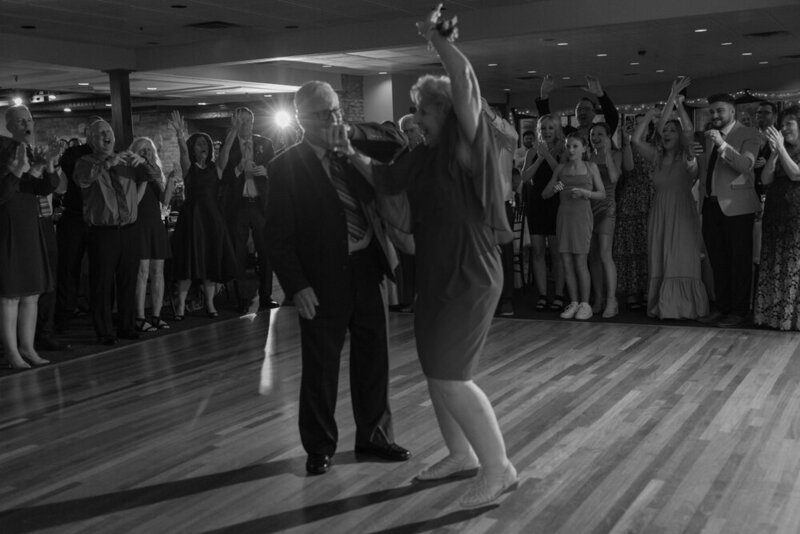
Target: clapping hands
point(19, 164)
point(775, 138)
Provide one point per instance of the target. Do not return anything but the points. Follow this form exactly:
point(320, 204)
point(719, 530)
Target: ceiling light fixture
point(152, 88)
point(563, 44)
point(17, 101)
point(383, 72)
point(202, 103)
point(492, 64)
point(84, 84)
point(747, 53)
point(660, 70)
point(763, 62)
point(531, 72)
point(701, 30)
point(67, 110)
point(634, 62)
point(726, 43)
point(602, 55)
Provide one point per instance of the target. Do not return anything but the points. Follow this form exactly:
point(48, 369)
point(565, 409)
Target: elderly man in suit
point(729, 203)
point(330, 254)
point(245, 202)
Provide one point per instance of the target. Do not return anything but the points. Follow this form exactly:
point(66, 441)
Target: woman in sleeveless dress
point(201, 246)
point(577, 182)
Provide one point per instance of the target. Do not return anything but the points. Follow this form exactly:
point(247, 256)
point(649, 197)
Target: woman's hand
point(579, 193)
point(775, 138)
point(679, 85)
point(19, 164)
point(176, 121)
point(434, 22)
point(558, 187)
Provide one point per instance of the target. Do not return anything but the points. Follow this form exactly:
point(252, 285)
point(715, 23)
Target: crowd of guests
point(111, 212)
point(665, 220)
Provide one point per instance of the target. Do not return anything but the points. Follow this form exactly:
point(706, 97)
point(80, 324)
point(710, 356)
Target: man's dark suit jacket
point(307, 236)
point(233, 185)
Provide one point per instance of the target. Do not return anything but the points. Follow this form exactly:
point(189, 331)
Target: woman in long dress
point(201, 246)
point(778, 293)
point(456, 194)
point(675, 243)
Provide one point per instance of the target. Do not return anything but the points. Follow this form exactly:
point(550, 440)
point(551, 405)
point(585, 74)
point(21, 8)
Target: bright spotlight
point(17, 101)
point(283, 119)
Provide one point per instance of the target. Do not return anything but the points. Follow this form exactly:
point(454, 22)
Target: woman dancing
point(456, 195)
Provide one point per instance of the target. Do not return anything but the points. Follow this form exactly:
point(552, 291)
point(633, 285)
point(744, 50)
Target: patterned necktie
point(122, 201)
point(45, 210)
point(356, 222)
point(712, 161)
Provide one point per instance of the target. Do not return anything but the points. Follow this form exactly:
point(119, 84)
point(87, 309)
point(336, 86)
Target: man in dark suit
point(729, 203)
point(330, 253)
point(245, 202)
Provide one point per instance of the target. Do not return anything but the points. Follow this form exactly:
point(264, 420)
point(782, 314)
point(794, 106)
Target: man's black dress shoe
point(389, 451)
point(318, 464)
point(48, 343)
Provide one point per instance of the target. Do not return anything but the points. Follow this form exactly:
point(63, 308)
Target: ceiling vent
point(213, 25)
point(765, 35)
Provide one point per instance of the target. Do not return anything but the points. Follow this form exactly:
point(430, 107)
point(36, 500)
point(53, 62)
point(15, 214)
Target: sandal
point(159, 323)
point(142, 325)
point(541, 304)
point(557, 304)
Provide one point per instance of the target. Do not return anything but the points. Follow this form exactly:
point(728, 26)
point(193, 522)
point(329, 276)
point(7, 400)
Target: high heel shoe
point(612, 309)
point(35, 360)
point(212, 314)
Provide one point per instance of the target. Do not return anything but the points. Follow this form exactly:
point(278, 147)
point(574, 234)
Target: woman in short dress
point(457, 202)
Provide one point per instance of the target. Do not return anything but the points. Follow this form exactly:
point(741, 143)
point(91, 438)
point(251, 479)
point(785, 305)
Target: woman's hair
point(190, 147)
point(681, 149)
point(433, 90)
point(792, 112)
point(555, 121)
point(140, 142)
point(578, 136)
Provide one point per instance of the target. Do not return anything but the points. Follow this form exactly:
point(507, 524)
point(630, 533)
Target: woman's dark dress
point(154, 241)
point(542, 212)
point(458, 219)
point(24, 265)
point(201, 246)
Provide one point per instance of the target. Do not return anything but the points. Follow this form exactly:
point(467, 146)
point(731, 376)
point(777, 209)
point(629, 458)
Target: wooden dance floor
point(613, 428)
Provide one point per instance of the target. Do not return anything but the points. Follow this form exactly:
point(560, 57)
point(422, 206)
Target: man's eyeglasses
point(327, 115)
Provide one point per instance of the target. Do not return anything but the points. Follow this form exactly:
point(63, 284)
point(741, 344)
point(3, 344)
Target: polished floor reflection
point(613, 428)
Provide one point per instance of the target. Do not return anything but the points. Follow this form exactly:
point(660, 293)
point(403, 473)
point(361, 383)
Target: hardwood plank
point(612, 427)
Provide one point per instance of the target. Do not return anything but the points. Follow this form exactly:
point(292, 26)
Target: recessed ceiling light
point(67, 110)
point(563, 44)
point(327, 66)
point(108, 105)
point(701, 30)
point(602, 55)
point(634, 62)
point(492, 64)
point(51, 97)
point(531, 72)
point(17, 101)
point(267, 96)
point(507, 89)
point(383, 72)
point(152, 88)
point(220, 92)
point(28, 27)
point(83, 83)
point(202, 103)
point(763, 62)
point(565, 78)
point(660, 70)
point(747, 53)
point(726, 43)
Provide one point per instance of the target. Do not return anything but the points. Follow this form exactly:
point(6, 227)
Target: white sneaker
point(584, 312)
point(570, 311)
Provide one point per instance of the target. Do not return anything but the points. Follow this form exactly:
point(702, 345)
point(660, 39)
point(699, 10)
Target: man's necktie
point(356, 222)
point(45, 210)
point(712, 161)
point(122, 200)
